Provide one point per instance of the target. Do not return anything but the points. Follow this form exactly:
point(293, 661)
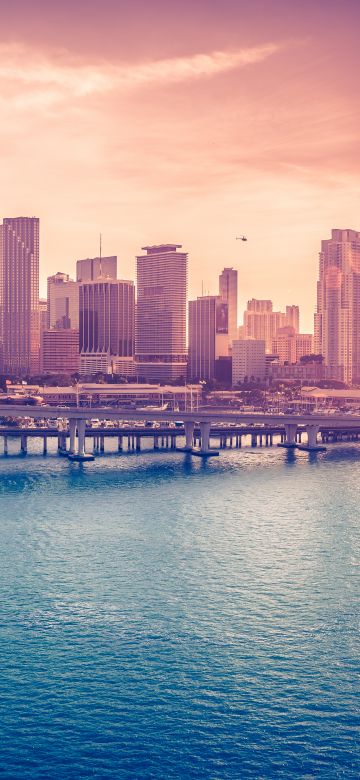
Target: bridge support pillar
point(81, 455)
point(5, 445)
point(23, 445)
point(290, 436)
point(312, 445)
point(205, 451)
point(45, 445)
point(72, 430)
point(189, 434)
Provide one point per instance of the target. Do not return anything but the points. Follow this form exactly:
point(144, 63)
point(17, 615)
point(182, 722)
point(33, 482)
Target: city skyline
point(240, 118)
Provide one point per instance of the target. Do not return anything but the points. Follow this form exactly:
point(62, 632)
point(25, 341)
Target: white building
point(248, 360)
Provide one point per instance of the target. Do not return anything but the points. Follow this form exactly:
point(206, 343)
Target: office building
point(19, 295)
point(106, 325)
point(63, 302)
point(60, 351)
point(208, 336)
point(228, 291)
point(337, 319)
point(248, 361)
point(161, 354)
point(93, 268)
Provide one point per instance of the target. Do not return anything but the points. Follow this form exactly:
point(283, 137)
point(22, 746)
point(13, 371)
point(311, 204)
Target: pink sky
point(189, 122)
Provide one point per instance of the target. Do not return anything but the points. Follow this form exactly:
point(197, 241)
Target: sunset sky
point(188, 121)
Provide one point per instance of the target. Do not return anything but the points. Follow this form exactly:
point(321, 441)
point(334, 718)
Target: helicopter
point(241, 238)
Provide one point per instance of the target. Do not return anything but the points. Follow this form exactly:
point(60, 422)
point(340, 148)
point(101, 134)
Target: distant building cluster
point(150, 332)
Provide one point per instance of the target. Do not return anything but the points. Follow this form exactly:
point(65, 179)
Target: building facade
point(19, 295)
point(337, 319)
point(106, 324)
point(290, 346)
point(261, 322)
point(208, 336)
point(292, 317)
point(248, 360)
point(93, 268)
point(228, 291)
point(63, 302)
point(60, 351)
point(160, 342)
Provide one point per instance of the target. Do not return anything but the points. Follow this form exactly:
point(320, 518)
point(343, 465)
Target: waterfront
point(165, 617)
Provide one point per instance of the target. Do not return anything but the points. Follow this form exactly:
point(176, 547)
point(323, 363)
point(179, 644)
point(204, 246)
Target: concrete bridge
point(203, 421)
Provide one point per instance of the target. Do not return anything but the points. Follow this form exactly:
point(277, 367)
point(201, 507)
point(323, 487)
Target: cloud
point(57, 76)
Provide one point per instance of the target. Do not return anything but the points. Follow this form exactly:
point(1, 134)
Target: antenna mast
point(100, 263)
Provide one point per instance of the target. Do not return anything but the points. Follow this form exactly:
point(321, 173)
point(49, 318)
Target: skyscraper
point(228, 290)
point(161, 313)
point(337, 319)
point(92, 268)
point(106, 325)
point(19, 294)
point(63, 301)
point(208, 336)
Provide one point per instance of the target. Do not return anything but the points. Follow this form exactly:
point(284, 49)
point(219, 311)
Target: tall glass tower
point(160, 341)
point(19, 295)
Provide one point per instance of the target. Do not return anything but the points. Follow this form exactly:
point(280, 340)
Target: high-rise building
point(248, 360)
point(93, 268)
point(161, 313)
point(43, 315)
point(208, 336)
point(228, 290)
point(292, 317)
point(19, 295)
point(337, 319)
point(63, 302)
point(60, 351)
point(106, 325)
point(261, 322)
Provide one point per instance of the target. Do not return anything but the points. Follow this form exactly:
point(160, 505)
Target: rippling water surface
point(162, 617)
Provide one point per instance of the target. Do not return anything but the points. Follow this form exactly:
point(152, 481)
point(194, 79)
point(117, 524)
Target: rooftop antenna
point(100, 259)
point(202, 288)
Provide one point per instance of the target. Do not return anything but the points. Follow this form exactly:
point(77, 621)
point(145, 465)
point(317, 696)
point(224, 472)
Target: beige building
point(337, 319)
point(261, 322)
point(290, 346)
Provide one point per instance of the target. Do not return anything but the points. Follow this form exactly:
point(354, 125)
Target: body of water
point(165, 617)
